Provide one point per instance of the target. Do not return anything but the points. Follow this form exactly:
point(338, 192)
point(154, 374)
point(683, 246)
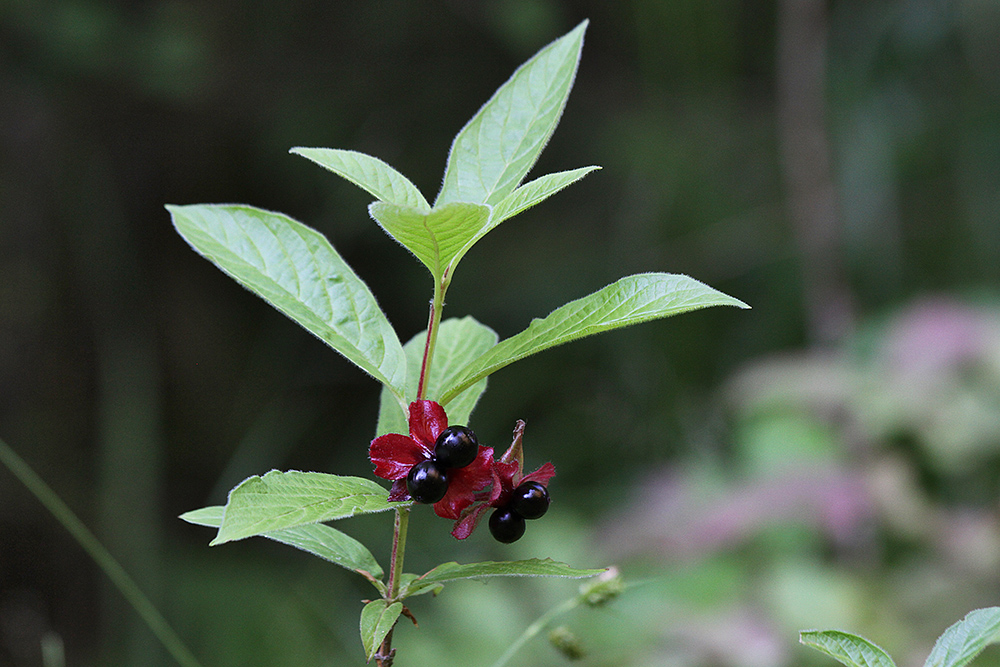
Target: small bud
point(602, 590)
point(567, 643)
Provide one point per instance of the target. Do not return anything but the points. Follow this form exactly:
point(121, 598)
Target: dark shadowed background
point(829, 458)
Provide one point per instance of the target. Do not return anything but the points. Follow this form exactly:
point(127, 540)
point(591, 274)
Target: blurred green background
point(829, 458)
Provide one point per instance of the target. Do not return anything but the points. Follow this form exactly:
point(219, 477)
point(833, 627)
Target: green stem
point(433, 323)
point(115, 572)
point(385, 654)
point(536, 627)
point(398, 550)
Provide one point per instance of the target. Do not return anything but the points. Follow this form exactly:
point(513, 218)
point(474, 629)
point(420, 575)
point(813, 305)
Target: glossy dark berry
point(506, 525)
point(456, 447)
point(427, 482)
point(530, 500)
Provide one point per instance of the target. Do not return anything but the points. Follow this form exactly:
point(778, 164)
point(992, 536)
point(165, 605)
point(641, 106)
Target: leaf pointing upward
point(501, 143)
point(628, 301)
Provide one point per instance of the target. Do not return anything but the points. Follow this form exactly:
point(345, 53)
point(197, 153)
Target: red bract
point(394, 454)
point(507, 475)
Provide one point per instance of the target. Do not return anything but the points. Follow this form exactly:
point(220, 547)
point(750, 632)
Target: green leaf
point(377, 618)
point(849, 649)
point(628, 301)
point(516, 568)
point(534, 192)
point(459, 341)
point(296, 270)
point(281, 500)
point(439, 238)
point(501, 143)
point(964, 640)
point(368, 173)
point(318, 539)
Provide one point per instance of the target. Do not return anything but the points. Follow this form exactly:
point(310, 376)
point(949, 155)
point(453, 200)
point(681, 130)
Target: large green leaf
point(964, 640)
point(282, 500)
point(459, 341)
point(296, 270)
point(316, 538)
point(533, 567)
point(499, 145)
point(369, 173)
point(438, 238)
point(628, 301)
point(850, 650)
point(377, 618)
point(534, 192)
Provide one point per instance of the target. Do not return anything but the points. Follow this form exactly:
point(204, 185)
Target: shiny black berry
point(456, 447)
point(427, 482)
point(530, 500)
point(506, 525)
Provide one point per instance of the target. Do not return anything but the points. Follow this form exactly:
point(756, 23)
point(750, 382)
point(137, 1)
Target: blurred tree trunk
point(806, 163)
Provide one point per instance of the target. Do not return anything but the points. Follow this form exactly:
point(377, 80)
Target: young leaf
point(964, 640)
point(377, 618)
point(851, 650)
point(438, 238)
point(459, 341)
point(518, 568)
point(282, 500)
point(501, 143)
point(316, 538)
point(534, 192)
point(628, 301)
point(369, 173)
point(296, 270)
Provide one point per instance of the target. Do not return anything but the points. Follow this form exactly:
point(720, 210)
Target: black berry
point(530, 500)
point(456, 447)
point(506, 525)
point(427, 482)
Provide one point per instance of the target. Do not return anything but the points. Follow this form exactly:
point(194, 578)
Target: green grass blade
point(850, 650)
point(296, 270)
point(369, 173)
point(963, 641)
point(86, 539)
point(499, 145)
point(628, 301)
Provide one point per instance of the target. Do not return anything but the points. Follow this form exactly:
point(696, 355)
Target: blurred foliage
point(853, 484)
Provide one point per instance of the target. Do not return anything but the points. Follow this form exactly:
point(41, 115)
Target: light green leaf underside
point(377, 618)
point(282, 500)
point(499, 145)
point(438, 238)
point(964, 640)
point(369, 173)
point(534, 192)
point(628, 301)
point(296, 270)
point(519, 568)
point(850, 650)
point(318, 539)
point(459, 342)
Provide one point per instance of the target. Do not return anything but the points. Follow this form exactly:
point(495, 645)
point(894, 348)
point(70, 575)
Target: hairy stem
point(386, 653)
point(433, 322)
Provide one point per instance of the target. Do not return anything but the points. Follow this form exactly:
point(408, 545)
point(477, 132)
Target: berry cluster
point(530, 500)
point(456, 447)
point(445, 466)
